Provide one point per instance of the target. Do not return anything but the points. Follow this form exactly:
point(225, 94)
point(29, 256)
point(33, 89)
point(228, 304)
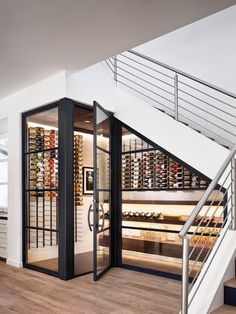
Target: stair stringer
point(196, 150)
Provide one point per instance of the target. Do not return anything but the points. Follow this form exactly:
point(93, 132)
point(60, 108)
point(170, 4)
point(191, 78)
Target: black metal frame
point(117, 231)
point(66, 186)
point(96, 231)
point(25, 115)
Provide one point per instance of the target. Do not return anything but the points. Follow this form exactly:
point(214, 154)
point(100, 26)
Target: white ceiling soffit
point(41, 37)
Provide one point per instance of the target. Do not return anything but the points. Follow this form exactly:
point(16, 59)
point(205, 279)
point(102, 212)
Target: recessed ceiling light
point(87, 121)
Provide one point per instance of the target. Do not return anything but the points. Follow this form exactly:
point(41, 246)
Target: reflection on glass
point(42, 249)
point(155, 250)
point(43, 130)
point(42, 183)
point(103, 250)
point(104, 210)
point(103, 130)
point(42, 226)
point(103, 170)
point(83, 190)
point(132, 142)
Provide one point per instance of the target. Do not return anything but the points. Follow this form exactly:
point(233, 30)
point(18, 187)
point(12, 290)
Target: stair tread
point(225, 309)
point(231, 283)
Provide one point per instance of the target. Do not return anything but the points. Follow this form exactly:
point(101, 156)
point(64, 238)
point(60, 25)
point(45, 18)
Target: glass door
point(102, 191)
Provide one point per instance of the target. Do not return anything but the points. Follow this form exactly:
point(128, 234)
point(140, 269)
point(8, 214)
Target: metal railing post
point(233, 191)
point(115, 68)
point(185, 276)
point(176, 108)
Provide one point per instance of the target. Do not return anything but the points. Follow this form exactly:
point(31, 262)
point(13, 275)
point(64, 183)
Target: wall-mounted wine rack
point(144, 168)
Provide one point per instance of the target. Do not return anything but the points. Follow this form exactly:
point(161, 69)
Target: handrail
point(221, 90)
point(183, 232)
point(140, 74)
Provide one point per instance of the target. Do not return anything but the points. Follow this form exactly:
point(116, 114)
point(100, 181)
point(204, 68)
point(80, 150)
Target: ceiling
point(39, 38)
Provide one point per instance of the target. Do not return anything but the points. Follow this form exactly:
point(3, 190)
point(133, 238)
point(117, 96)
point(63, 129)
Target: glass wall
point(158, 195)
point(41, 189)
point(83, 190)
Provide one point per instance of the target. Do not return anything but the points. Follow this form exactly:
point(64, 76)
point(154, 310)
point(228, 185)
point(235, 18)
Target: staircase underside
point(199, 152)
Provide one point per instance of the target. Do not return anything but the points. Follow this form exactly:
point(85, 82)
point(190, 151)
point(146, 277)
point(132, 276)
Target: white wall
point(11, 107)
point(205, 49)
point(3, 126)
point(93, 83)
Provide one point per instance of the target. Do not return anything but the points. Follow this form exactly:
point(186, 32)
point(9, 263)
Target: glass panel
point(42, 221)
point(3, 147)
point(3, 172)
point(161, 251)
point(103, 130)
point(103, 170)
point(43, 170)
point(132, 142)
point(102, 198)
point(42, 249)
point(83, 190)
point(104, 210)
point(43, 210)
point(43, 130)
point(103, 250)
point(3, 197)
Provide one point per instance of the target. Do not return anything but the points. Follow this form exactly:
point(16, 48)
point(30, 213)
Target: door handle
point(89, 212)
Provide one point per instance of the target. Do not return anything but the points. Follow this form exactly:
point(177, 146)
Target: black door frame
point(97, 190)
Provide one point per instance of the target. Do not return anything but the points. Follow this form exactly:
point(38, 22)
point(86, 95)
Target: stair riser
point(230, 296)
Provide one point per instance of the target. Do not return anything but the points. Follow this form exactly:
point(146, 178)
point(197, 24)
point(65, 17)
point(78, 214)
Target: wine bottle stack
point(126, 171)
point(78, 186)
point(175, 175)
point(136, 171)
point(153, 170)
point(161, 173)
point(43, 165)
point(42, 185)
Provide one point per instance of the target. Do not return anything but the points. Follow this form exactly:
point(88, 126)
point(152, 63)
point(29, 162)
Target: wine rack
point(153, 170)
point(42, 191)
point(78, 186)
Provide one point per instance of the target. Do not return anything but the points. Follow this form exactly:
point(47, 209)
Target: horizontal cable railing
point(206, 227)
point(202, 106)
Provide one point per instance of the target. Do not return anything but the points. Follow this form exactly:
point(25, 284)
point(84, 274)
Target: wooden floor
point(120, 291)
point(225, 309)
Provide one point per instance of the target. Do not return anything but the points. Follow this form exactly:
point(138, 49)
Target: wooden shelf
point(165, 202)
point(171, 222)
point(163, 248)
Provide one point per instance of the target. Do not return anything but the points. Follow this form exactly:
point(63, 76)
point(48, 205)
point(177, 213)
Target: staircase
point(205, 108)
point(229, 297)
point(196, 122)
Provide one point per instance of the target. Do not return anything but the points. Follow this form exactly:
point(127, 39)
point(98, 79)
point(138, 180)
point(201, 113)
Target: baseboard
point(14, 263)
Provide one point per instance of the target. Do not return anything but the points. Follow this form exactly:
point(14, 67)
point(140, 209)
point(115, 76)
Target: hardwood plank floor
point(120, 291)
point(225, 309)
